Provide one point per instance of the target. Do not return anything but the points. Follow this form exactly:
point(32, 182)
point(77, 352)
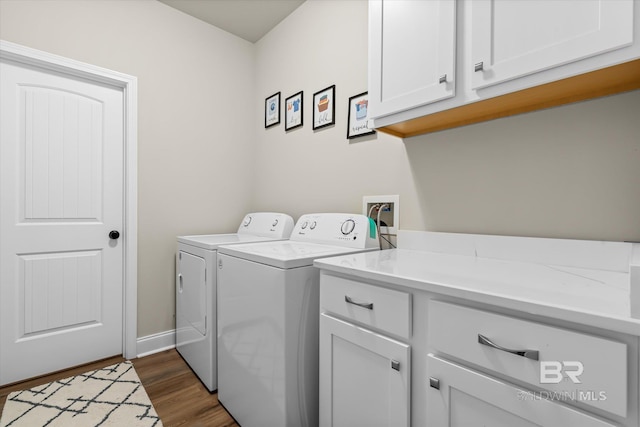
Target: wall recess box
point(390, 215)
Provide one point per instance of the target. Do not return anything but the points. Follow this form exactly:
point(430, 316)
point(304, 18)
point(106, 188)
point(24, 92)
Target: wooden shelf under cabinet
point(607, 81)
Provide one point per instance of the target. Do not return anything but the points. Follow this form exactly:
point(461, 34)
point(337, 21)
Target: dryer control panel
point(267, 224)
point(337, 229)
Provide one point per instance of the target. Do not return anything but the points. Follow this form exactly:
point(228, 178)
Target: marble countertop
point(598, 298)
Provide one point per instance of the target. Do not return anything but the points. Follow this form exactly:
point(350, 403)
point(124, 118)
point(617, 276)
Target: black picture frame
point(324, 107)
point(272, 110)
point(357, 118)
point(293, 111)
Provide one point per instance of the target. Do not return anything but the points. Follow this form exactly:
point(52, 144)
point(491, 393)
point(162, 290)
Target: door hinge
point(395, 365)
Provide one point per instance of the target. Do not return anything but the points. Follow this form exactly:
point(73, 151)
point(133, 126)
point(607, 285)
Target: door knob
point(114, 234)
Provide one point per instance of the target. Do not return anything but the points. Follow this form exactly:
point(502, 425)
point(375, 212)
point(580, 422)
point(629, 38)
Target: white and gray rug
point(111, 396)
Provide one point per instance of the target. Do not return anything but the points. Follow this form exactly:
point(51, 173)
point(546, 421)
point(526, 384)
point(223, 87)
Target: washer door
point(191, 291)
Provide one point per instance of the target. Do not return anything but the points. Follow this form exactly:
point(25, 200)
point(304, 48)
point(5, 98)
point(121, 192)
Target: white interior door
point(61, 192)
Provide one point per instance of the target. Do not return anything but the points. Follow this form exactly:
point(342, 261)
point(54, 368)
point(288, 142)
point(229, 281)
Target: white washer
point(268, 311)
point(196, 288)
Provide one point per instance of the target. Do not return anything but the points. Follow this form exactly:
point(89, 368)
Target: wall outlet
point(390, 214)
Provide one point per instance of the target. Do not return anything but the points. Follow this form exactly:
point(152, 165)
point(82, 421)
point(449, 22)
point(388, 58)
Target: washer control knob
point(275, 222)
point(313, 225)
point(247, 221)
point(348, 226)
point(304, 225)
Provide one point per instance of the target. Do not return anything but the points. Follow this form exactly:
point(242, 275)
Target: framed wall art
point(272, 110)
point(358, 120)
point(293, 111)
point(324, 107)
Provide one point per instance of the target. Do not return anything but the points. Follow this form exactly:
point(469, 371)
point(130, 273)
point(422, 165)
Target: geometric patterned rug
point(111, 396)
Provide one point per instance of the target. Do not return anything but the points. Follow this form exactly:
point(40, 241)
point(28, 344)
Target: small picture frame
point(272, 110)
point(324, 107)
point(358, 119)
point(293, 111)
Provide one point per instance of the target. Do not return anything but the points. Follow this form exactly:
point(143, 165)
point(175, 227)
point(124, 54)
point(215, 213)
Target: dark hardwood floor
point(177, 394)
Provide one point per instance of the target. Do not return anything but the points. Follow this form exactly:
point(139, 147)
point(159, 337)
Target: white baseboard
point(156, 343)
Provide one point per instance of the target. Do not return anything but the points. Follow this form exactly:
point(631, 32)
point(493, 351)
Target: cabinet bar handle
point(367, 305)
point(478, 67)
point(529, 354)
point(443, 79)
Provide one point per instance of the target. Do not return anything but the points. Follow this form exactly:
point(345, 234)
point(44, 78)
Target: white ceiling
point(248, 19)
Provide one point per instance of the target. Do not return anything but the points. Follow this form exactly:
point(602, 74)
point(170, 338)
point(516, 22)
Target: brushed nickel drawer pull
point(529, 354)
point(367, 305)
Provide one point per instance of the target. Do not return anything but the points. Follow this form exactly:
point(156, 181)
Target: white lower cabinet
point(487, 368)
point(461, 397)
point(498, 343)
point(396, 356)
point(364, 377)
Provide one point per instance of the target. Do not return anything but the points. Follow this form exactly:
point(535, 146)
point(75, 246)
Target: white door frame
point(129, 85)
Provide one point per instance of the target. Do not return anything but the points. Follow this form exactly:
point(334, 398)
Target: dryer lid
point(212, 241)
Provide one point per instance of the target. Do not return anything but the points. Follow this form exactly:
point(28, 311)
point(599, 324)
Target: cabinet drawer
point(573, 366)
point(464, 397)
point(384, 309)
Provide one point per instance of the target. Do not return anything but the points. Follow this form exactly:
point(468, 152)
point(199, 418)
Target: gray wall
point(567, 172)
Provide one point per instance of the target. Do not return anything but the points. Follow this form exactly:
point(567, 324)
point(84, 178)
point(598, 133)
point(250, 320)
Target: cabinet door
point(510, 39)
point(364, 377)
point(411, 54)
point(466, 397)
point(191, 291)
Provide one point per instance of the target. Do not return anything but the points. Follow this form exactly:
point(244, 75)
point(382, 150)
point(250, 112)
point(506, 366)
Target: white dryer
point(268, 311)
point(196, 295)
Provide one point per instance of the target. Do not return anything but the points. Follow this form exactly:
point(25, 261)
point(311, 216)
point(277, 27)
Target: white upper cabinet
point(411, 54)
point(437, 64)
point(511, 39)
